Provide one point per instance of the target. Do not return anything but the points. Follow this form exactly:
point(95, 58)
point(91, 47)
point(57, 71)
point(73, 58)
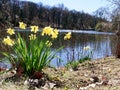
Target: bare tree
point(116, 21)
point(115, 2)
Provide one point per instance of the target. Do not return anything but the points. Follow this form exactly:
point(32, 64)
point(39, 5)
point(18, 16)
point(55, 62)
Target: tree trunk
point(118, 42)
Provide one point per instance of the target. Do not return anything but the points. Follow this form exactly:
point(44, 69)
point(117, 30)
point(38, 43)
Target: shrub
point(99, 27)
point(72, 65)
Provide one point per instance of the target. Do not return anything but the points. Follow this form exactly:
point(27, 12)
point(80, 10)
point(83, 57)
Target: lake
point(101, 44)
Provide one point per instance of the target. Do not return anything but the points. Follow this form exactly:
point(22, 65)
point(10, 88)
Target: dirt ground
point(101, 74)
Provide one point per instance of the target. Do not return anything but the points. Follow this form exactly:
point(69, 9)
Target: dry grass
point(106, 70)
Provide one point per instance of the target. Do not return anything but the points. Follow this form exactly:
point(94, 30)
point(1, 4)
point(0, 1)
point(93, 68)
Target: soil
point(101, 74)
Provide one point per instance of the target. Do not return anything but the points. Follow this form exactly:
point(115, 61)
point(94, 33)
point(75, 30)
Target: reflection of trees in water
point(102, 45)
point(81, 39)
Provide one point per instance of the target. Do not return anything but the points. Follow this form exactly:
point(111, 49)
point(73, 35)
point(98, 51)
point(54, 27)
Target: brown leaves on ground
point(102, 74)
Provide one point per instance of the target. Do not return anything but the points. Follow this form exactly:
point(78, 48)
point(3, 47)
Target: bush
point(99, 27)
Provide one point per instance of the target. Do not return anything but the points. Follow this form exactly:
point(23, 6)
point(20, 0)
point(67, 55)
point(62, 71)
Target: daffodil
point(86, 48)
point(10, 31)
point(48, 43)
point(34, 29)
point(22, 25)
point(47, 31)
point(32, 36)
point(8, 41)
point(54, 34)
point(35, 51)
point(67, 36)
point(56, 31)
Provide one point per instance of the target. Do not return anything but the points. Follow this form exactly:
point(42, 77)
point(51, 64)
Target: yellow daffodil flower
point(54, 34)
point(22, 25)
point(10, 31)
point(32, 37)
point(56, 31)
point(67, 36)
point(34, 29)
point(47, 31)
point(86, 48)
point(48, 43)
point(8, 41)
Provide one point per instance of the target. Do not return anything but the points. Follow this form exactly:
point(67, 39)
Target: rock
point(105, 82)
point(48, 85)
point(32, 82)
point(51, 85)
point(94, 79)
point(92, 85)
point(26, 82)
point(45, 87)
point(89, 86)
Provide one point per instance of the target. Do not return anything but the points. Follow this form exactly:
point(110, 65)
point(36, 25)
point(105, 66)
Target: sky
point(88, 6)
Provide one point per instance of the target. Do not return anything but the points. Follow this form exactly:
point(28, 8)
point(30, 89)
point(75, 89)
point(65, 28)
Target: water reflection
point(102, 45)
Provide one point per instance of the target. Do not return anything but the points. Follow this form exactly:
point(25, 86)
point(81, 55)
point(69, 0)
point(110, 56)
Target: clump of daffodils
point(34, 55)
point(46, 31)
point(87, 54)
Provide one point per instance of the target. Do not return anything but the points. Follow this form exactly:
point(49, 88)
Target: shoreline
point(91, 75)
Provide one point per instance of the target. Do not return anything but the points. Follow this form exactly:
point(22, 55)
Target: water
point(102, 44)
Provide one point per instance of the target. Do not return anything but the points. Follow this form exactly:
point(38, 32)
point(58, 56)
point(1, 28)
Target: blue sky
point(87, 6)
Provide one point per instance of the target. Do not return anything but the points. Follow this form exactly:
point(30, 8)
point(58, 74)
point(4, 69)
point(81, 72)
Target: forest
point(13, 11)
point(85, 62)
